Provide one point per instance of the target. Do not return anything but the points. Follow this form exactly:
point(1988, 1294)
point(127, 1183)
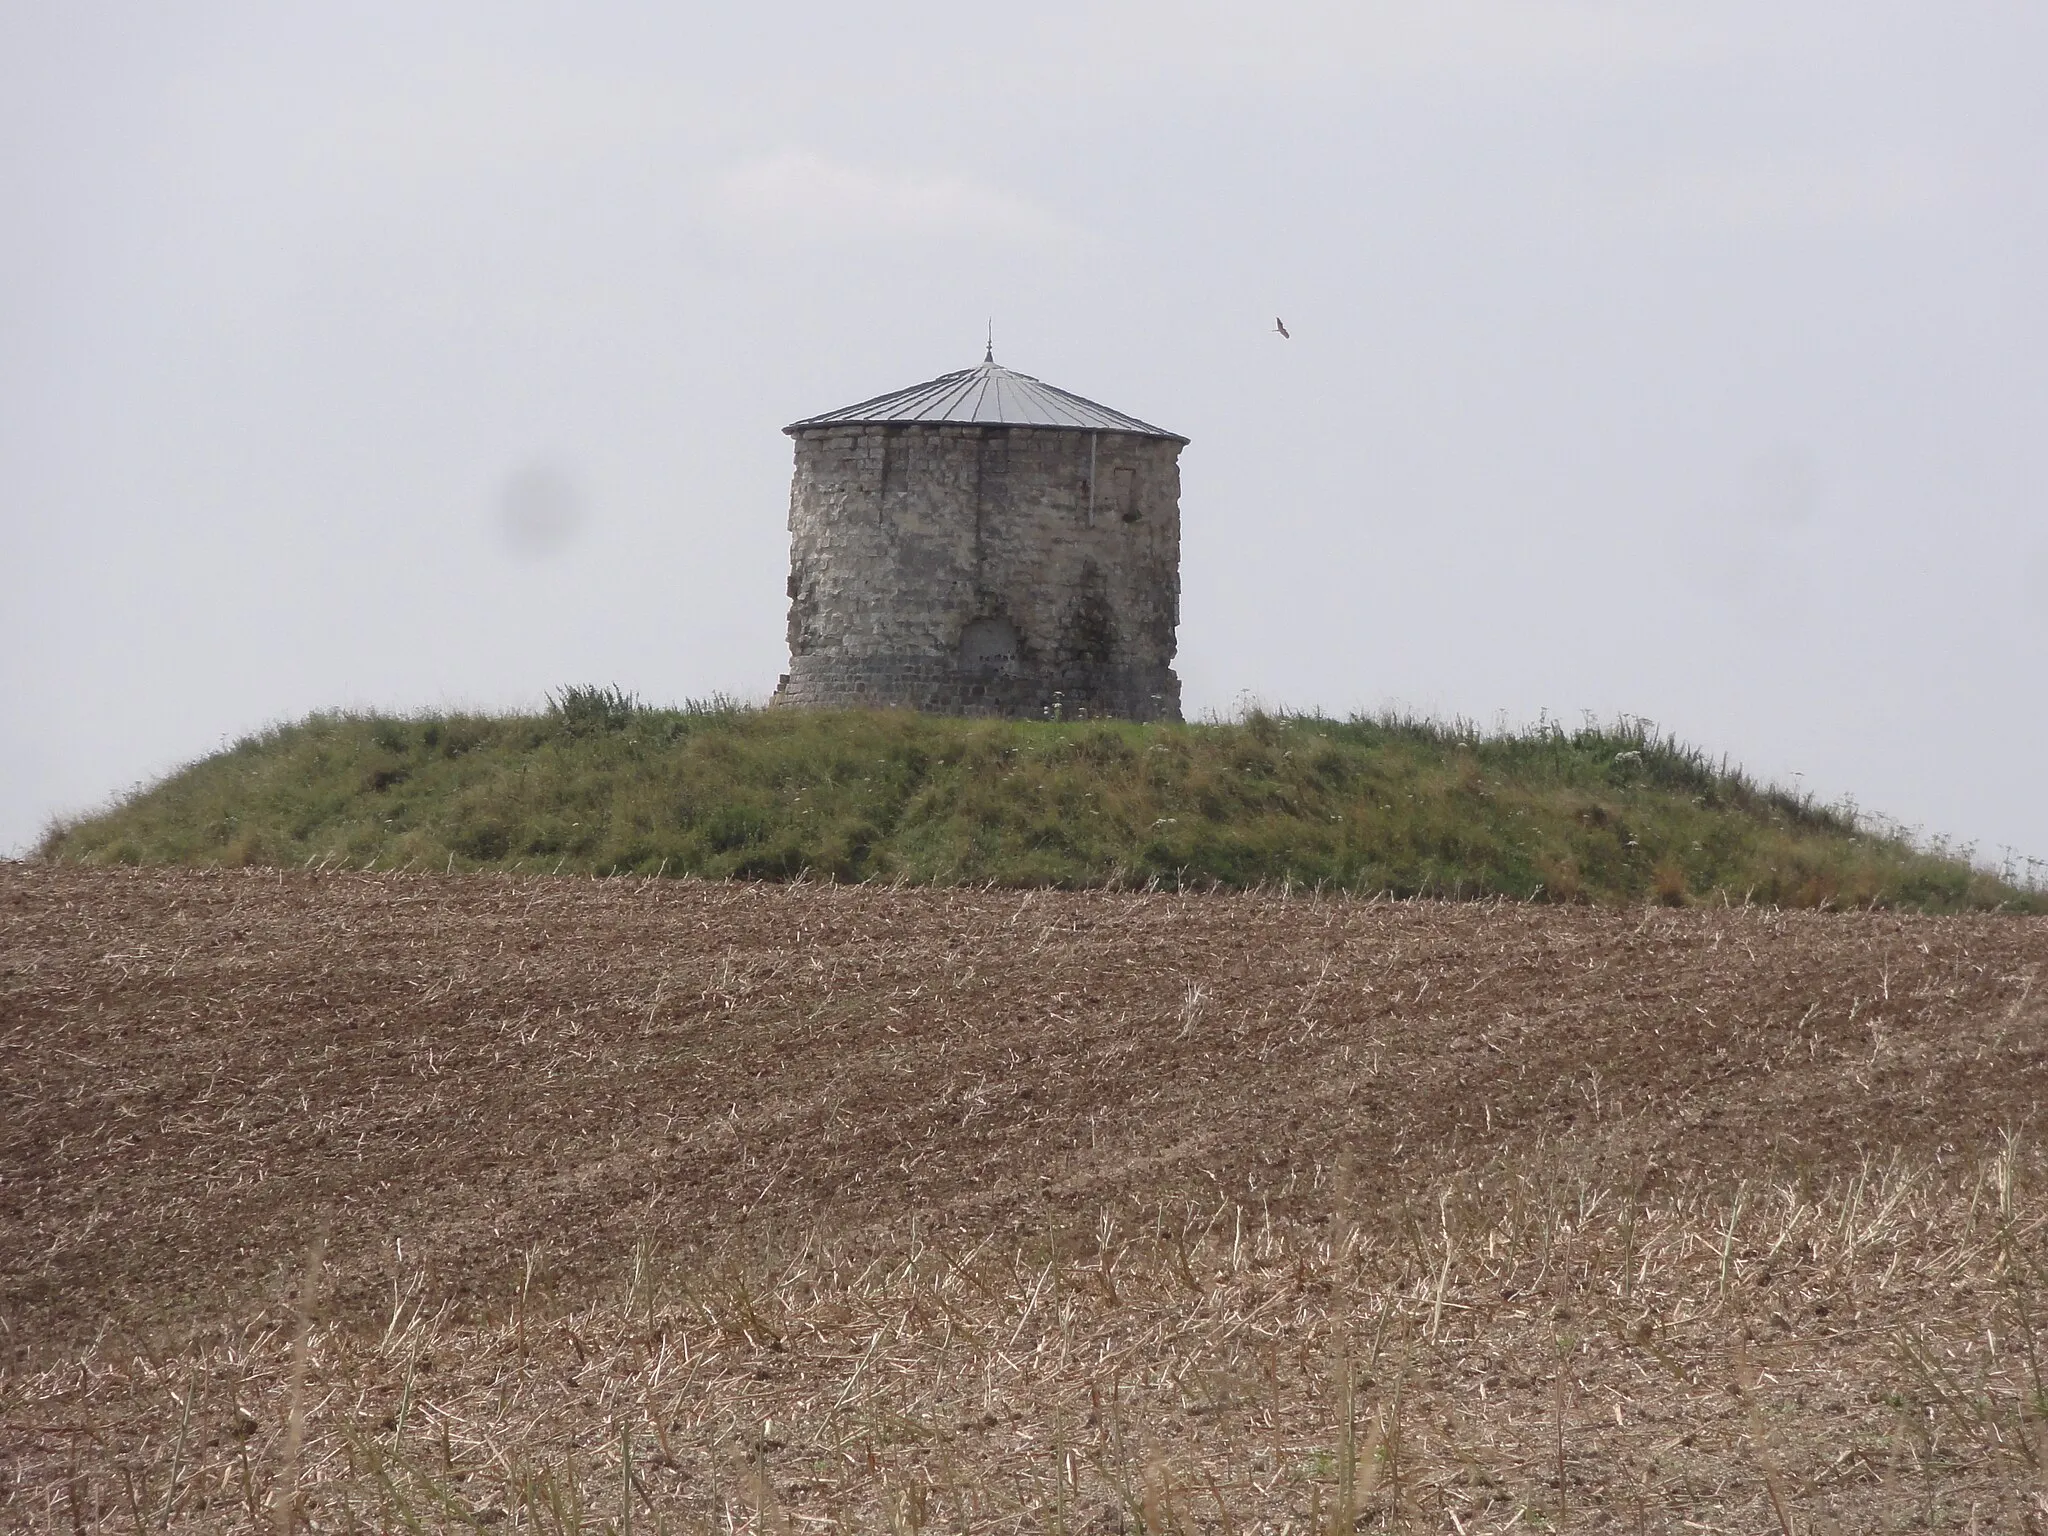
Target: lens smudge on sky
point(538, 510)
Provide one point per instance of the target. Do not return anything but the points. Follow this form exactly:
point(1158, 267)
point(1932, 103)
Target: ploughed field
point(400, 1202)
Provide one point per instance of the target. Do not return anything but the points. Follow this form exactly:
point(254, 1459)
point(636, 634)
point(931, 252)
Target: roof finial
point(990, 355)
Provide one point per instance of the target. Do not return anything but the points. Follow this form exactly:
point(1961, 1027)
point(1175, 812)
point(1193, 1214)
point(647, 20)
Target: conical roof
point(990, 395)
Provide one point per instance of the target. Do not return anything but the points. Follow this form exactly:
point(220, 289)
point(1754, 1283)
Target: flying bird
point(1281, 327)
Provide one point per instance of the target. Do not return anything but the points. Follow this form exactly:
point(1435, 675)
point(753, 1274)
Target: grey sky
point(1689, 361)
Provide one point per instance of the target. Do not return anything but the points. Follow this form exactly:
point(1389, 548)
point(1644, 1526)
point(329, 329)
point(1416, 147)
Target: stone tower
point(984, 544)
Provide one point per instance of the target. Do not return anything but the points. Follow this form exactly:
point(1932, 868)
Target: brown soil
point(465, 1083)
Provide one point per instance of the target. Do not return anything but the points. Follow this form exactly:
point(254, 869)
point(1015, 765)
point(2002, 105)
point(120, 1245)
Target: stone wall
point(984, 570)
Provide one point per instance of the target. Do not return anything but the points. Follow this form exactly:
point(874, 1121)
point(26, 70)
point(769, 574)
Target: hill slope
point(600, 786)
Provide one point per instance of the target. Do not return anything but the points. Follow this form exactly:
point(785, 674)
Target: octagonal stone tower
point(984, 544)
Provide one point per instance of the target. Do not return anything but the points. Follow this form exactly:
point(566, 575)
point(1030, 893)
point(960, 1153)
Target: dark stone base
point(937, 687)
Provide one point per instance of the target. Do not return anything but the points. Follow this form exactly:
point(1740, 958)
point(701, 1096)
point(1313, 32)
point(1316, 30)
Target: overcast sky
point(1689, 361)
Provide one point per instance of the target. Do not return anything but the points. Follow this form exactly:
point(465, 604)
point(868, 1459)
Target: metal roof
point(990, 395)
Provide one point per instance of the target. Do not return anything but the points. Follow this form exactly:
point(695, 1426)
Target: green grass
point(600, 785)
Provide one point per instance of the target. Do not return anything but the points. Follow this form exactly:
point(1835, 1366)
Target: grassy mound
point(599, 785)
